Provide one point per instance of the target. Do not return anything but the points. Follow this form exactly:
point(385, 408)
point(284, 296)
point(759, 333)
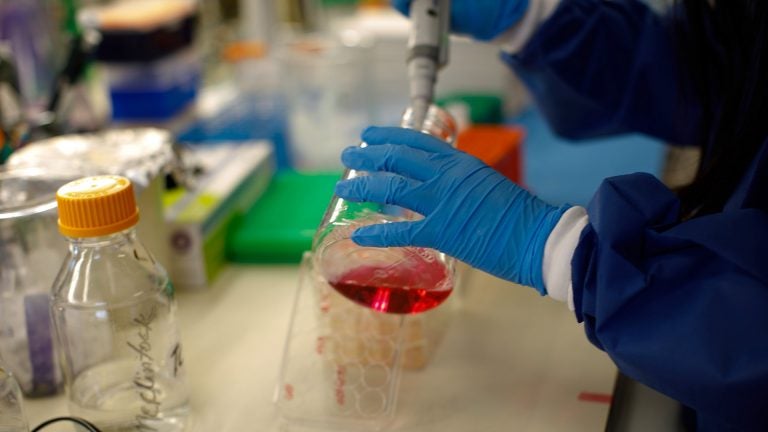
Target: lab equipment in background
point(474, 108)
point(5, 147)
point(217, 26)
point(474, 68)
point(12, 417)
point(246, 107)
point(427, 53)
point(303, 16)
point(397, 280)
point(144, 155)
point(483, 134)
point(231, 177)
point(73, 105)
point(153, 92)
point(279, 227)
point(114, 313)
point(69, 108)
point(333, 10)
point(342, 364)
point(242, 102)
point(63, 104)
point(498, 146)
point(28, 29)
point(258, 21)
point(245, 117)
point(13, 125)
point(30, 253)
point(329, 97)
point(148, 57)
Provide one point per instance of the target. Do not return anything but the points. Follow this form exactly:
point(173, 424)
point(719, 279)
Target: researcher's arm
point(680, 306)
point(595, 67)
point(599, 67)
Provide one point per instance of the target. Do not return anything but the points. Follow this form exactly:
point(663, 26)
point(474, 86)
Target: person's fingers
point(375, 136)
point(387, 234)
point(388, 189)
point(406, 161)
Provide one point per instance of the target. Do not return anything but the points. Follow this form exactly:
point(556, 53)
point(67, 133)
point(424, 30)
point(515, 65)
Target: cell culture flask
point(401, 280)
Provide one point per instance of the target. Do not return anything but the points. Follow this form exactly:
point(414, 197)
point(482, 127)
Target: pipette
point(427, 52)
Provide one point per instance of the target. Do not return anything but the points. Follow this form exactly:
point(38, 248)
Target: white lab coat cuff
point(514, 39)
point(558, 252)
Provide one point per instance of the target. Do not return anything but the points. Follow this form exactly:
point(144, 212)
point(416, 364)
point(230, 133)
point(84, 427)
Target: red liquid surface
point(397, 290)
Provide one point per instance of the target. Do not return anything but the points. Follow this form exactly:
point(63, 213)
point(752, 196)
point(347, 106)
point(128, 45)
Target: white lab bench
point(510, 361)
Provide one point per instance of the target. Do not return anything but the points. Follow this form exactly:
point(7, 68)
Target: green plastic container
point(281, 224)
point(483, 108)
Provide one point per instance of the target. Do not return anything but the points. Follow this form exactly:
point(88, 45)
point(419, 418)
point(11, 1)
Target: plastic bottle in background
point(328, 95)
point(11, 413)
point(114, 314)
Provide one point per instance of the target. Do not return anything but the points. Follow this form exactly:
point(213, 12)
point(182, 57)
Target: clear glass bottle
point(11, 413)
point(114, 314)
point(395, 280)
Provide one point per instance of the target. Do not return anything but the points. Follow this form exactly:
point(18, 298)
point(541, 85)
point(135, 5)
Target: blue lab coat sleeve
point(599, 68)
point(680, 306)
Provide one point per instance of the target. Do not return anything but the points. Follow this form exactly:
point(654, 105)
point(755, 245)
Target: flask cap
point(96, 206)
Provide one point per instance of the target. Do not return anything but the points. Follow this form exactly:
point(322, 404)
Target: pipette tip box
point(234, 176)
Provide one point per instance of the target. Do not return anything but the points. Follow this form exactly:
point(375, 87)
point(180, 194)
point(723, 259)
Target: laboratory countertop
point(510, 360)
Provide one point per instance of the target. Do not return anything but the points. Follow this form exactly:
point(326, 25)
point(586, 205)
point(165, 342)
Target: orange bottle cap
point(96, 206)
point(244, 50)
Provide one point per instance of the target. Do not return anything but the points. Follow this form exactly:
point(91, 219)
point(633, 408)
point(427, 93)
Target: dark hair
point(724, 50)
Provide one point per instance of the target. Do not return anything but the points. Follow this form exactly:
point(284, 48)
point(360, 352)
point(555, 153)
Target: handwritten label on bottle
point(178, 360)
point(145, 380)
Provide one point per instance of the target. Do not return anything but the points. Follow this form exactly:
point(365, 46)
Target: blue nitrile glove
point(471, 211)
point(481, 19)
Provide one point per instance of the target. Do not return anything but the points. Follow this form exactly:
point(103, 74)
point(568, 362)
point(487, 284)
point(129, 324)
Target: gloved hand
point(481, 19)
point(471, 212)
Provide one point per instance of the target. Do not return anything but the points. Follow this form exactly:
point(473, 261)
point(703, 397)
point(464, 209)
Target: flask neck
point(437, 122)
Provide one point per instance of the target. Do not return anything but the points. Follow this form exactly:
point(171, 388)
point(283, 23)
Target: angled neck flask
point(401, 280)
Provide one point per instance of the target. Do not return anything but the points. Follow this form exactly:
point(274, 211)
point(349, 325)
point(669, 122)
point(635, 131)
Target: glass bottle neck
point(437, 123)
point(121, 237)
